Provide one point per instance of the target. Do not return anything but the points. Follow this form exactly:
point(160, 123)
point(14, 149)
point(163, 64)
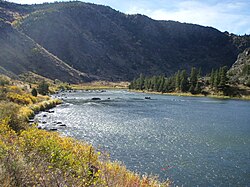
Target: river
point(193, 141)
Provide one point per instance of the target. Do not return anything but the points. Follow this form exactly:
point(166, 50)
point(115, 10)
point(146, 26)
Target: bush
point(4, 80)
point(43, 88)
point(10, 113)
point(19, 99)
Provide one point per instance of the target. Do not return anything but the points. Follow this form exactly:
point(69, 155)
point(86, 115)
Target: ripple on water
point(193, 141)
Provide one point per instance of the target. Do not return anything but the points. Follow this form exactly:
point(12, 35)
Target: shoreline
point(245, 98)
point(102, 164)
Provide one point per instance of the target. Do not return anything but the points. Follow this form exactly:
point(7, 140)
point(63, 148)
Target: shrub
point(10, 113)
point(43, 88)
point(15, 89)
point(19, 99)
point(4, 80)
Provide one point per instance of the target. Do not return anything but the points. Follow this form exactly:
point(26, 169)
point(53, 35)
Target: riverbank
point(181, 94)
point(33, 157)
point(101, 85)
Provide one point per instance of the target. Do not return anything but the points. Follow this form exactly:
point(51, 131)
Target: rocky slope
point(240, 71)
point(113, 46)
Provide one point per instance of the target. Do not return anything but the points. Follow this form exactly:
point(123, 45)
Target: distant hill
point(109, 45)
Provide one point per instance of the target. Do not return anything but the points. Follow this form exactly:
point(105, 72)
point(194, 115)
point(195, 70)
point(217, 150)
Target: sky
point(225, 15)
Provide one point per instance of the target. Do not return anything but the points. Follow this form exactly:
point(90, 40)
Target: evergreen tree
point(191, 89)
point(223, 77)
point(141, 82)
point(193, 77)
point(218, 76)
point(216, 79)
point(34, 92)
point(133, 84)
point(177, 81)
point(155, 83)
point(172, 84)
point(146, 83)
point(211, 80)
point(184, 81)
point(199, 73)
point(197, 88)
point(161, 86)
point(166, 85)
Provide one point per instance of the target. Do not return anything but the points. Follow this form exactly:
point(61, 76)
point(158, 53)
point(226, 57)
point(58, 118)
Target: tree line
point(181, 81)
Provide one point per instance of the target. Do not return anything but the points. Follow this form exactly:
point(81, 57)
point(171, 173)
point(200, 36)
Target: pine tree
point(197, 88)
point(141, 81)
point(166, 85)
point(223, 77)
point(162, 82)
point(184, 81)
point(191, 89)
point(155, 83)
point(211, 80)
point(146, 83)
point(172, 84)
point(199, 73)
point(132, 85)
point(177, 81)
point(34, 92)
point(193, 77)
point(216, 79)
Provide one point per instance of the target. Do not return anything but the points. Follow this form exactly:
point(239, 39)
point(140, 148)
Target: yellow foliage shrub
point(15, 89)
point(10, 112)
point(68, 155)
point(19, 99)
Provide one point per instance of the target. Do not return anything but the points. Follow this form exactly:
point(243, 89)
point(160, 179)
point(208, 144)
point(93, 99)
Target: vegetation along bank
point(33, 157)
point(217, 83)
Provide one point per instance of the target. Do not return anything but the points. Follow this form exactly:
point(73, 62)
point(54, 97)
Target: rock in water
point(96, 99)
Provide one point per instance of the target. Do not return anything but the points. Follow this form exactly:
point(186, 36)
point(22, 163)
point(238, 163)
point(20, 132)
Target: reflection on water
point(192, 141)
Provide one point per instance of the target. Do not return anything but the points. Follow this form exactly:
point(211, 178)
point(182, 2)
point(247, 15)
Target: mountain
point(20, 54)
point(110, 45)
point(240, 71)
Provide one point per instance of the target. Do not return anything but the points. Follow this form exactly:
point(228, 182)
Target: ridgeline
point(77, 42)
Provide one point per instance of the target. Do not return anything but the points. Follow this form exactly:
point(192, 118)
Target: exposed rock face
point(240, 71)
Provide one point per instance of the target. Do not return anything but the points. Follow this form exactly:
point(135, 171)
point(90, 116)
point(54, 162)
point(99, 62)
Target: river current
point(192, 141)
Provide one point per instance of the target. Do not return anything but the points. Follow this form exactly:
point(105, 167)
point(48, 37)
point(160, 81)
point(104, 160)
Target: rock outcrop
point(240, 71)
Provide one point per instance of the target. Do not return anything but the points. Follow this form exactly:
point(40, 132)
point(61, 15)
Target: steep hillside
point(112, 45)
point(21, 54)
point(240, 71)
point(106, 43)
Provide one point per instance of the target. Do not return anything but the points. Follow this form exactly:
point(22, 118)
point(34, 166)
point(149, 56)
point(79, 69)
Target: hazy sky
point(225, 15)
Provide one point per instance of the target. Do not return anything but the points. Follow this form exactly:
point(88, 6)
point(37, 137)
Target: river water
point(192, 141)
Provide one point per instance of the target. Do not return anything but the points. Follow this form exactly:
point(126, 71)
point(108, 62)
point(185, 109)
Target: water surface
point(192, 141)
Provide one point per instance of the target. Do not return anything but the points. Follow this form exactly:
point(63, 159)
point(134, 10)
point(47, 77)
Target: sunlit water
point(192, 141)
